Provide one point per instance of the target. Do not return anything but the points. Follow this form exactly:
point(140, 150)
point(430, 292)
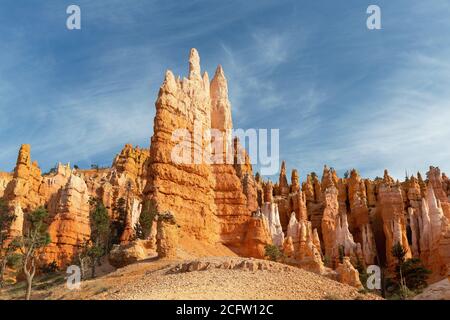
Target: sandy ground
point(437, 291)
point(151, 279)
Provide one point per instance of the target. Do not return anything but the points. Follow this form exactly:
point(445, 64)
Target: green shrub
point(273, 252)
point(415, 274)
point(144, 226)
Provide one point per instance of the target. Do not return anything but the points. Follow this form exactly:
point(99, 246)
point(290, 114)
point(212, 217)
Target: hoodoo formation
point(226, 207)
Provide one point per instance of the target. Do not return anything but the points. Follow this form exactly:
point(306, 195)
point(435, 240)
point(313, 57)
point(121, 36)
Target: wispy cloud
point(403, 127)
point(254, 72)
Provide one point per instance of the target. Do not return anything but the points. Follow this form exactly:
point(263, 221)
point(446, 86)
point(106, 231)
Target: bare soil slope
point(163, 279)
point(437, 291)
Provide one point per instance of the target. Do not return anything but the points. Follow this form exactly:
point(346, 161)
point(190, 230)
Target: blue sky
point(340, 94)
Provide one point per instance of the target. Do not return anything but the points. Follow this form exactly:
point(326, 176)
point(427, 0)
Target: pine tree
point(118, 224)
point(100, 233)
point(144, 227)
point(35, 237)
point(410, 274)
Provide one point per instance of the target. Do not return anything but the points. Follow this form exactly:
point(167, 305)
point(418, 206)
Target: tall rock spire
point(220, 105)
point(23, 163)
point(295, 181)
point(169, 84)
point(219, 85)
point(194, 65)
point(284, 186)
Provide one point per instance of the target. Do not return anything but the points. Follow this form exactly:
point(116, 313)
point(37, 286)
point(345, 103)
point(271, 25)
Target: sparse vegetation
point(83, 257)
point(42, 286)
point(118, 223)
point(35, 237)
point(143, 227)
point(399, 252)
point(100, 233)
point(273, 252)
point(409, 278)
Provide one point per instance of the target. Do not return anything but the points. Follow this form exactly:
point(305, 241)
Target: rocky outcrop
point(391, 210)
point(336, 234)
point(70, 225)
point(233, 203)
point(268, 191)
point(289, 248)
point(229, 264)
point(167, 236)
point(302, 246)
point(344, 240)
point(257, 237)
point(330, 222)
point(283, 185)
point(358, 200)
point(132, 164)
point(5, 179)
point(295, 182)
point(437, 291)
point(348, 274)
point(314, 200)
point(309, 253)
point(431, 235)
point(16, 228)
point(270, 214)
point(123, 255)
point(184, 187)
point(205, 194)
point(24, 187)
point(134, 209)
point(440, 186)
